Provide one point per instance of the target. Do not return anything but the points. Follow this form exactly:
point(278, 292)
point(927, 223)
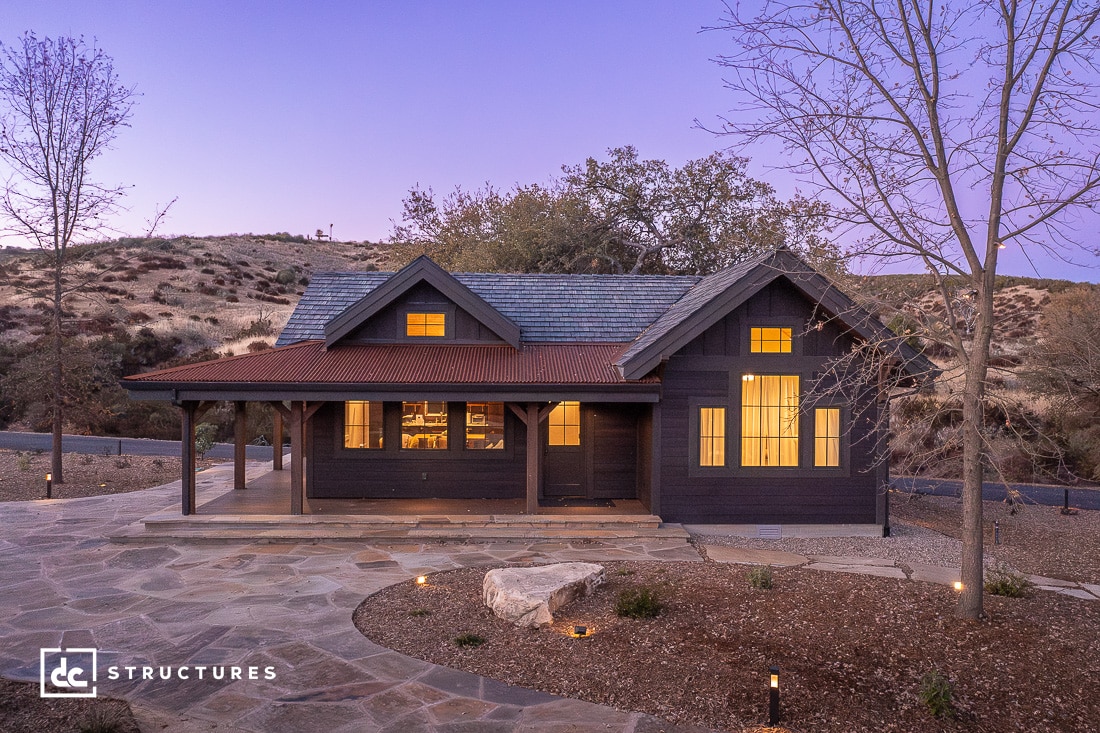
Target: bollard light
point(49, 485)
point(773, 696)
point(996, 533)
point(958, 585)
point(422, 580)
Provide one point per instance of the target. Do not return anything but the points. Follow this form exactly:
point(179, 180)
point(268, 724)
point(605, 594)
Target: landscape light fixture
point(773, 698)
point(422, 580)
point(996, 533)
point(49, 485)
point(579, 632)
point(958, 585)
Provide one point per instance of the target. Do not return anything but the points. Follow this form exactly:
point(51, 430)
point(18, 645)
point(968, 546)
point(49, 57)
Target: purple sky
point(290, 116)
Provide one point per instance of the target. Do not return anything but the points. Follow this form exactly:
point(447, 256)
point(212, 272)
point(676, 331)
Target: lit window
point(712, 436)
point(425, 324)
point(485, 425)
point(770, 340)
point(565, 424)
point(424, 425)
point(769, 420)
point(362, 424)
point(827, 436)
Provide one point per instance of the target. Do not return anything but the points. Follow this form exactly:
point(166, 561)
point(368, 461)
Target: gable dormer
point(421, 304)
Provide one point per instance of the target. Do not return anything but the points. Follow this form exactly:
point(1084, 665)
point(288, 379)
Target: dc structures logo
point(71, 671)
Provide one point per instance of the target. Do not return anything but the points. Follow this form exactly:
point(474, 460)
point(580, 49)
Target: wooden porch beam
point(240, 442)
point(187, 456)
point(276, 440)
point(534, 456)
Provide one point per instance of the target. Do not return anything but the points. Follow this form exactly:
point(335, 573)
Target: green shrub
point(103, 719)
point(1002, 580)
point(420, 612)
point(638, 603)
point(935, 693)
point(286, 277)
point(466, 641)
point(205, 437)
point(760, 577)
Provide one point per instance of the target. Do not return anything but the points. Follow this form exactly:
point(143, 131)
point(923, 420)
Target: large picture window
point(362, 424)
point(712, 436)
point(565, 424)
point(485, 425)
point(424, 425)
point(769, 420)
point(769, 340)
point(827, 437)
point(425, 324)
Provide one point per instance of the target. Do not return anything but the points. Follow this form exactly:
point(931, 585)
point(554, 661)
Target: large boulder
point(529, 596)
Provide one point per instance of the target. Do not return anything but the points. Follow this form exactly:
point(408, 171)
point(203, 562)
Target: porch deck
point(262, 512)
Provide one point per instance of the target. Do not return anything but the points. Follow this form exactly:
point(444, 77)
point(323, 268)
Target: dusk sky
point(289, 116)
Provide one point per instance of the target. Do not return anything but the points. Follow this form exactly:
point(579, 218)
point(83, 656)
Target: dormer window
point(769, 340)
point(426, 324)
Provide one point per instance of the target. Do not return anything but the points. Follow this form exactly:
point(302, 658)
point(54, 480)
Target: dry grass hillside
point(223, 293)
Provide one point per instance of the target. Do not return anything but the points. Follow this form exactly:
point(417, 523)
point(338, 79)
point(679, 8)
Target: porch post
point(240, 442)
point(187, 456)
point(276, 440)
point(297, 456)
point(534, 456)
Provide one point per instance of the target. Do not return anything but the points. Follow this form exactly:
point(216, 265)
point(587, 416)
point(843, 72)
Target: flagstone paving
point(289, 606)
point(286, 606)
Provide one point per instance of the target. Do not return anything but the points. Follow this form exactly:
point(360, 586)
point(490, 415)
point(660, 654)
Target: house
point(699, 397)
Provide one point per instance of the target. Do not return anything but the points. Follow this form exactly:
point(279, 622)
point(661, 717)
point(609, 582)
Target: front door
point(564, 469)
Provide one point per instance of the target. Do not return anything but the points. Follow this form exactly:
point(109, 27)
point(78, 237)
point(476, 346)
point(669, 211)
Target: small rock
point(529, 596)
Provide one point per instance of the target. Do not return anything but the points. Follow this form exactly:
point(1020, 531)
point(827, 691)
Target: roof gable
point(422, 269)
point(717, 295)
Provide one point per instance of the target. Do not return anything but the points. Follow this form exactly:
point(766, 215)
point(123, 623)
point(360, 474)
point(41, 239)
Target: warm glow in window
point(424, 425)
point(827, 436)
point(425, 324)
point(712, 436)
point(769, 420)
point(485, 426)
point(565, 424)
point(362, 424)
point(770, 340)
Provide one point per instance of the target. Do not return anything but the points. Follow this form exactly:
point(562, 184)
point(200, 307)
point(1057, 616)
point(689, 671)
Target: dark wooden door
point(565, 469)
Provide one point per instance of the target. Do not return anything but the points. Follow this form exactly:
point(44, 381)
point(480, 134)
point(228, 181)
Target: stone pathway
point(882, 568)
point(288, 606)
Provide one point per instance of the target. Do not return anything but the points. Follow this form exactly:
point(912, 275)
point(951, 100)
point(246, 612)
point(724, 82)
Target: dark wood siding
point(613, 437)
point(335, 472)
point(708, 370)
point(388, 325)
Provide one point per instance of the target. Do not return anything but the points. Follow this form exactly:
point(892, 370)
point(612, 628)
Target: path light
point(580, 632)
point(49, 485)
point(958, 586)
point(422, 580)
point(773, 700)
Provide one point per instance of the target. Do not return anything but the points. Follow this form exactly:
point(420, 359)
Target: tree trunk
point(58, 396)
point(972, 572)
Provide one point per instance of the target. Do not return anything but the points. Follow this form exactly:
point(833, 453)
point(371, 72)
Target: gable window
point(769, 340)
point(769, 420)
point(712, 436)
point(426, 324)
point(424, 425)
point(485, 426)
point(827, 437)
point(565, 424)
point(362, 424)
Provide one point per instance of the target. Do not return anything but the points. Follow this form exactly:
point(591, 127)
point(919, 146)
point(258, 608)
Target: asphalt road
point(119, 446)
point(1080, 498)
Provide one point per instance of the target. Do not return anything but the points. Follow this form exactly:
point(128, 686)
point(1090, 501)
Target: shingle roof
point(309, 362)
point(547, 308)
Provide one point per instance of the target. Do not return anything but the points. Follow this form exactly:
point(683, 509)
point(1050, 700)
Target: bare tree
point(941, 132)
point(62, 105)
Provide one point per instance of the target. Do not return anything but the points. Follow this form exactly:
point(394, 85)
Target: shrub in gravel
point(466, 641)
point(760, 577)
point(638, 603)
point(103, 720)
point(935, 693)
point(1002, 580)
